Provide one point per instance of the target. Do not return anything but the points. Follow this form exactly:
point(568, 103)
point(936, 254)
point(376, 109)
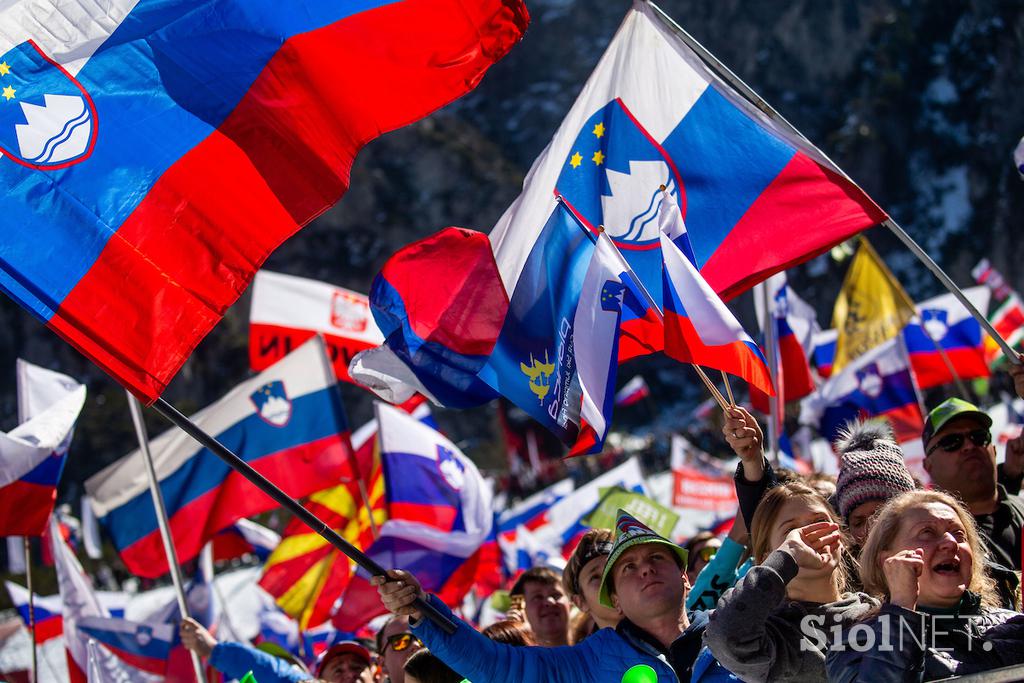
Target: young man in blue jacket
point(644, 579)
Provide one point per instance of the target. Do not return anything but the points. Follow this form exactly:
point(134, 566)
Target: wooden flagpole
point(161, 518)
point(775, 117)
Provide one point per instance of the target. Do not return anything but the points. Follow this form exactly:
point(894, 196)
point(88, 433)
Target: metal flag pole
point(31, 607)
point(161, 517)
point(774, 116)
point(171, 414)
point(774, 404)
point(651, 303)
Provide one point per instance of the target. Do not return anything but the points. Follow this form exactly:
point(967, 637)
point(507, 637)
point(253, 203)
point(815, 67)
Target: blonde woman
point(923, 556)
point(769, 627)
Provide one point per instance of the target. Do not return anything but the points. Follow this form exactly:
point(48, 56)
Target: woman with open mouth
point(923, 557)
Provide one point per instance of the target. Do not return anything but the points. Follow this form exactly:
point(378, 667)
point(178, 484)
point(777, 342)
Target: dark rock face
point(920, 102)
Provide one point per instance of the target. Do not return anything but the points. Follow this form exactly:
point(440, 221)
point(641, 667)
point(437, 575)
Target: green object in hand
point(249, 678)
point(641, 673)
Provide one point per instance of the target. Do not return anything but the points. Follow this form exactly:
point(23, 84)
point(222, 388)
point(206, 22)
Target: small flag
point(944, 323)
point(632, 392)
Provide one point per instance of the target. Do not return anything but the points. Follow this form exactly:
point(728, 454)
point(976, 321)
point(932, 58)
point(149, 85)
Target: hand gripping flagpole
point(775, 117)
point(161, 517)
point(651, 303)
point(171, 414)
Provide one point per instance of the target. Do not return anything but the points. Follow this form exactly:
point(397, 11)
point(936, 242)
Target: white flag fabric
point(79, 600)
point(1018, 158)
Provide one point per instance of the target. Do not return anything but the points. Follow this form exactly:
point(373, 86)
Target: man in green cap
point(961, 459)
point(644, 579)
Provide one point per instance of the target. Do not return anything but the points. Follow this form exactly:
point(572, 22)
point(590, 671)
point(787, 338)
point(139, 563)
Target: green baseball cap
point(950, 409)
point(629, 532)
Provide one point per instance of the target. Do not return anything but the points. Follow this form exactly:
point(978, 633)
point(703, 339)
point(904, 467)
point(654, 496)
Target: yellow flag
point(872, 307)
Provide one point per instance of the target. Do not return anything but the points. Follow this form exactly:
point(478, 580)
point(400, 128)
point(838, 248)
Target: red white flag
point(287, 310)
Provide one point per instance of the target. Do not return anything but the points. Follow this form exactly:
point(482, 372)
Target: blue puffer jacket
point(603, 657)
point(235, 660)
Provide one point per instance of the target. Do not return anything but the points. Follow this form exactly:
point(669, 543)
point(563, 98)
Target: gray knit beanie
point(871, 466)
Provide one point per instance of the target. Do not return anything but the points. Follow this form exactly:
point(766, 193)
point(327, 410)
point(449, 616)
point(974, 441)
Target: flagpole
point(161, 517)
point(728, 388)
point(651, 303)
point(353, 462)
point(754, 99)
point(31, 607)
point(773, 401)
point(172, 415)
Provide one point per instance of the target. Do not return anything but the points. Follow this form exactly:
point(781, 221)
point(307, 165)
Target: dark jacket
point(760, 635)
point(749, 494)
point(1001, 529)
point(928, 645)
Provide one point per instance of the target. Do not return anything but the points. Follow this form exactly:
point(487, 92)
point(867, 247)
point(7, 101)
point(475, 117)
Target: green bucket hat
point(629, 532)
point(947, 410)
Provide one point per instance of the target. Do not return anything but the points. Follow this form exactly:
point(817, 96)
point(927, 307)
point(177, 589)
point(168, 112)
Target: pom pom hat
point(871, 466)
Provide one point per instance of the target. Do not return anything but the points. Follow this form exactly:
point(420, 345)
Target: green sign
point(654, 515)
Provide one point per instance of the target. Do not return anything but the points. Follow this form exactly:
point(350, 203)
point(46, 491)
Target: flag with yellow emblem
point(871, 308)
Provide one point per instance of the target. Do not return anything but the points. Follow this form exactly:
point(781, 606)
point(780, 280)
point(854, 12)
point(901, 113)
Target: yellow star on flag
point(4, 68)
point(576, 160)
point(599, 130)
point(9, 92)
point(598, 157)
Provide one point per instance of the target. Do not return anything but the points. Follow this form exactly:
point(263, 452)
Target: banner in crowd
point(287, 310)
point(225, 132)
point(287, 422)
point(700, 483)
point(615, 498)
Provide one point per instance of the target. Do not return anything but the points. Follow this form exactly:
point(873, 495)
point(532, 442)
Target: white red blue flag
point(531, 513)
point(823, 352)
point(439, 514)
point(632, 392)
point(700, 329)
point(162, 150)
point(877, 384)
point(651, 114)
point(245, 537)
point(794, 324)
point(47, 611)
point(944, 323)
point(287, 422)
point(106, 667)
point(32, 455)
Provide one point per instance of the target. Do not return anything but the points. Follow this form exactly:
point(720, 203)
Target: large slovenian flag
point(143, 648)
point(439, 514)
point(161, 149)
point(32, 455)
point(878, 384)
point(945, 322)
point(651, 114)
point(700, 329)
point(287, 310)
point(287, 422)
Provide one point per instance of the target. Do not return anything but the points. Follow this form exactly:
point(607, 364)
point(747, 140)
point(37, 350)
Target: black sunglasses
point(951, 443)
point(400, 642)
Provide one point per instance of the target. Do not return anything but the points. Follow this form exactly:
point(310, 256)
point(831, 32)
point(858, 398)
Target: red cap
point(349, 647)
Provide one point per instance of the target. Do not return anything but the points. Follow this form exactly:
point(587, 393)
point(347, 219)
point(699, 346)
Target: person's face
point(799, 512)
point(702, 554)
point(347, 668)
point(394, 660)
point(648, 583)
point(935, 529)
point(970, 470)
point(860, 519)
point(547, 611)
point(590, 586)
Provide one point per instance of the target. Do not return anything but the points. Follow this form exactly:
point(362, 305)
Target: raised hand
point(744, 436)
point(814, 546)
point(903, 574)
point(398, 591)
